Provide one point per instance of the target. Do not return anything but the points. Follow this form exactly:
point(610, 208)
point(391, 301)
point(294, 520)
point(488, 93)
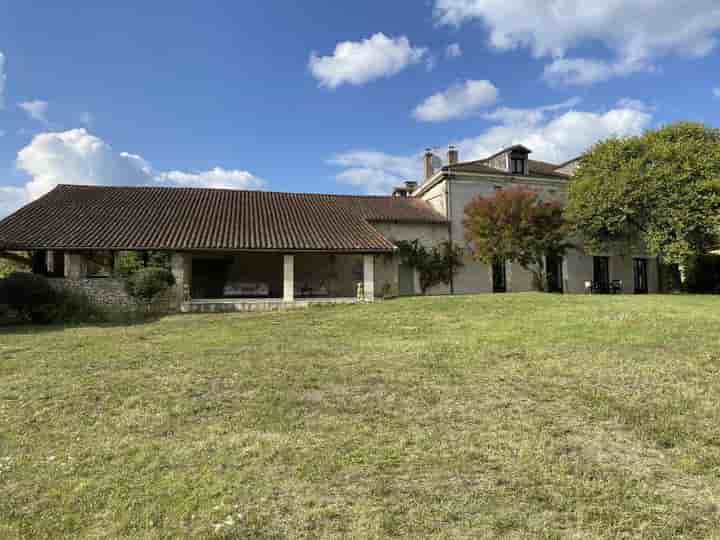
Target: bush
point(145, 284)
point(31, 296)
point(74, 306)
point(436, 265)
point(703, 275)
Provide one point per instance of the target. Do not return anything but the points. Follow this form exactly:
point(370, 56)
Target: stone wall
point(109, 293)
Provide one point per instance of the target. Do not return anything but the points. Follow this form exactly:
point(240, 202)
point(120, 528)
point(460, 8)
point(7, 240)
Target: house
point(238, 250)
point(449, 190)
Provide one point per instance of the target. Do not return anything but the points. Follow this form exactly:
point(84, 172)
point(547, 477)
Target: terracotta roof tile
point(92, 217)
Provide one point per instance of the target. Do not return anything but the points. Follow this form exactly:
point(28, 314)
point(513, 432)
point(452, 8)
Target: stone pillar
point(508, 276)
point(369, 277)
point(75, 266)
point(288, 278)
point(181, 268)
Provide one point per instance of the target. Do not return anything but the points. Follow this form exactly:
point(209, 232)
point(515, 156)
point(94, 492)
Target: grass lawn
point(509, 416)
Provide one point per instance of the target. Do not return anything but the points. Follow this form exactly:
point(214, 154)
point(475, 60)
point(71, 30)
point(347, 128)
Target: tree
point(515, 225)
point(436, 265)
point(659, 192)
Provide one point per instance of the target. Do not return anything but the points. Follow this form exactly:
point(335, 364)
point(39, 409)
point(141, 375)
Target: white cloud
point(638, 105)
point(554, 133)
point(11, 198)
point(87, 118)
point(214, 178)
point(584, 71)
point(376, 172)
point(457, 101)
point(3, 79)
point(557, 137)
point(78, 157)
point(716, 91)
point(36, 109)
point(635, 31)
point(358, 62)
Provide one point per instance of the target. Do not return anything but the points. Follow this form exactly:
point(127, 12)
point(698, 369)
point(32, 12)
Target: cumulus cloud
point(457, 101)
point(376, 172)
point(36, 109)
point(11, 198)
point(557, 137)
point(359, 62)
point(78, 157)
point(635, 31)
point(214, 178)
point(3, 79)
point(453, 51)
point(554, 133)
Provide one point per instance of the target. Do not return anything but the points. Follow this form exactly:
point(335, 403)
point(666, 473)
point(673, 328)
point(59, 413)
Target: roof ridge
point(195, 188)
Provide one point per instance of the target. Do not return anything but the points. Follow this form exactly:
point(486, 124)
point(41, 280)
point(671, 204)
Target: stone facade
point(110, 293)
point(451, 195)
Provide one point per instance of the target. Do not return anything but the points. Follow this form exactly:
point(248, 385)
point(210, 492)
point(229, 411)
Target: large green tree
point(659, 191)
point(516, 225)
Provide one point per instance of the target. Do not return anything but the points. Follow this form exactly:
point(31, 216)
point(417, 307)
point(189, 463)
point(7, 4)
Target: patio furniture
point(246, 289)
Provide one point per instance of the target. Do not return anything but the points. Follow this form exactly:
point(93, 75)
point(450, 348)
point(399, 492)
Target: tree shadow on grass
point(24, 328)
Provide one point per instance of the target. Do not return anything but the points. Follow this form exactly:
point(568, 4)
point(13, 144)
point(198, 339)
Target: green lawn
point(515, 416)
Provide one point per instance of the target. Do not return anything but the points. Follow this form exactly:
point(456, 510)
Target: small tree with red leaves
point(515, 225)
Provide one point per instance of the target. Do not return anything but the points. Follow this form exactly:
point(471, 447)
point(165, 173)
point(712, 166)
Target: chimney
point(429, 169)
point(452, 155)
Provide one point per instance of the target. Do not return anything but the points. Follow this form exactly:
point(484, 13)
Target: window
point(517, 165)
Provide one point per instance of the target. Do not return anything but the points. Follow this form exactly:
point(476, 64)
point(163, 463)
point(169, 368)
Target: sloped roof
point(94, 217)
point(537, 169)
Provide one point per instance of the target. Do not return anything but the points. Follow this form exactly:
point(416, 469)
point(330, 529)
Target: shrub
point(436, 265)
point(31, 296)
point(703, 274)
point(145, 284)
point(129, 262)
point(74, 306)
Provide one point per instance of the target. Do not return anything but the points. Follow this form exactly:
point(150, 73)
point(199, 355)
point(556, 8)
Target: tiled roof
point(545, 168)
point(538, 169)
point(93, 217)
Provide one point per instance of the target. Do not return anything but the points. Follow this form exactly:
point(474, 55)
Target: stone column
point(75, 266)
point(181, 268)
point(288, 278)
point(369, 277)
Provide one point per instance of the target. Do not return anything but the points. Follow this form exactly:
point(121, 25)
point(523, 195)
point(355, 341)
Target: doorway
point(499, 276)
point(601, 274)
point(554, 273)
point(641, 276)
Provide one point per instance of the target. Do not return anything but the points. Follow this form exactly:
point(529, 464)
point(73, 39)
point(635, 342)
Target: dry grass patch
point(517, 416)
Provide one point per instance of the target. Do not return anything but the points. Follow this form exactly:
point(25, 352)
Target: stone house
point(246, 250)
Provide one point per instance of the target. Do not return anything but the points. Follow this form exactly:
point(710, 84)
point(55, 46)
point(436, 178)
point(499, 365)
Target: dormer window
point(517, 165)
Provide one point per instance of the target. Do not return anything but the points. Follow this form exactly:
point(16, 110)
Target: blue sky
point(333, 96)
